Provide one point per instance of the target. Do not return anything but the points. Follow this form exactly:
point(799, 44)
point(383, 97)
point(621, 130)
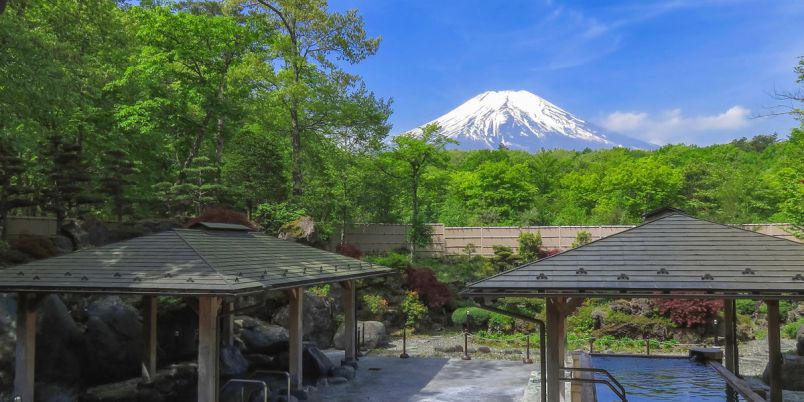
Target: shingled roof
point(219, 260)
point(674, 254)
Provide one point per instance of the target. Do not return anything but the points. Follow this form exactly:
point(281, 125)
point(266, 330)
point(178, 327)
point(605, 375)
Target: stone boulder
point(60, 346)
point(796, 314)
point(315, 364)
point(375, 335)
point(45, 392)
point(792, 373)
point(114, 341)
point(302, 230)
point(800, 341)
point(233, 364)
point(318, 323)
point(261, 337)
point(176, 383)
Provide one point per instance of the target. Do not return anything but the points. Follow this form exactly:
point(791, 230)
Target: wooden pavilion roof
point(674, 255)
point(215, 259)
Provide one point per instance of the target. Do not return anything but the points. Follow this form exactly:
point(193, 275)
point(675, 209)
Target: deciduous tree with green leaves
point(410, 157)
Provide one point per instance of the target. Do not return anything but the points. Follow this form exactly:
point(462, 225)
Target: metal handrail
point(611, 382)
point(284, 373)
point(242, 390)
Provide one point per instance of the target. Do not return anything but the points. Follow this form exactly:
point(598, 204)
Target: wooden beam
point(208, 360)
point(295, 334)
point(553, 354)
point(149, 304)
point(729, 336)
point(227, 323)
point(25, 358)
point(774, 352)
point(349, 322)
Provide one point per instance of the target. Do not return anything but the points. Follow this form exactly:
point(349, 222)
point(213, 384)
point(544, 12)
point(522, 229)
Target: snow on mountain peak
point(520, 120)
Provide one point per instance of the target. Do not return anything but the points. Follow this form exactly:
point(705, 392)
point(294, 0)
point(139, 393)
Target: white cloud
point(672, 126)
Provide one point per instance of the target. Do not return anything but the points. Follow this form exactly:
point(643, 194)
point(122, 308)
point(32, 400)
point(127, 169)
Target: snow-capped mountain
point(524, 121)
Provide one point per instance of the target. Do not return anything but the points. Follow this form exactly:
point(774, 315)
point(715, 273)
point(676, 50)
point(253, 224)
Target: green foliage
point(391, 260)
point(479, 317)
point(504, 258)
point(791, 328)
point(376, 304)
point(458, 269)
point(746, 306)
point(320, 291)
point(581, 238)
point(271, 216)
point(413, 308)
point(530, 245)
point(785, 307)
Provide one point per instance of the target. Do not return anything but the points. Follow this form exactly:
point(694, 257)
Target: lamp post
point(716, 330)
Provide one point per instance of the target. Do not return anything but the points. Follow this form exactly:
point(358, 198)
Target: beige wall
point(33, 225)
point(378, 238)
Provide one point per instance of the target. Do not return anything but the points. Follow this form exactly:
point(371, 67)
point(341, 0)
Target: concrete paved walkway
point(388, 379)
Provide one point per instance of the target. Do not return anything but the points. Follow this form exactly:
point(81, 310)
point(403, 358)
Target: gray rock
point(337, 380)
point(800, 341)
point(233, 364)
point(55, 393)
point(318, 322)
point(483, 349)
point(263, 337)
point(315, 364)
point(449, 349)
point(62, 244)
point(302, 230)
point(375, 335)
point(792, 373)
point(114, 340)
point(347, 372)
point(60, 346)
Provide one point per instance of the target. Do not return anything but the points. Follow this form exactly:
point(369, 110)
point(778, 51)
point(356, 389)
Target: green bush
point(523, 305)
point(320, 291)
point(791, 328)
point(784, 308)
point(478, 316)
point(529, 246)
point(746, 306)
point(271, 216)
point(501, 323)
point(377, 304)
point(413, 308)
point(391, 260)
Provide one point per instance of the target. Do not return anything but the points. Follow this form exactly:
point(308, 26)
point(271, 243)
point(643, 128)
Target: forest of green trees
point(165, 108)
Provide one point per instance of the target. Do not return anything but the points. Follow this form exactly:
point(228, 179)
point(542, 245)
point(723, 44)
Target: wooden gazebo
point(213, 262)
point(672, 255)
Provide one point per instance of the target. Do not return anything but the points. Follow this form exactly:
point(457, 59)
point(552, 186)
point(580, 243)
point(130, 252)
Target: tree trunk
point(295, 140)
point(415, 218)
point(199, 139)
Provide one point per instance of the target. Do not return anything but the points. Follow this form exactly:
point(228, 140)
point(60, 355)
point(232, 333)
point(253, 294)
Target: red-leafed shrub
point(689, 312)
point(349, 250)
point(425, 283)
point(222, 215)
point(548, 252)
point(38, 247)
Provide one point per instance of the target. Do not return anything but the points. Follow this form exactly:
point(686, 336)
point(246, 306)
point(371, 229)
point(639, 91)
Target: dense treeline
point(165, 108)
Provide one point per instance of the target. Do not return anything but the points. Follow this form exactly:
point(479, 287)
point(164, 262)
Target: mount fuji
point(523, 121)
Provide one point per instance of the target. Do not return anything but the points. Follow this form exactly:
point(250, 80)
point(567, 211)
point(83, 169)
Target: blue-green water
point(660, 379)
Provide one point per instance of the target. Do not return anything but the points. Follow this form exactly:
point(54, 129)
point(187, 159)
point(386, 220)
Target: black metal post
point(357, 343)
point(466, 346)
point(404, 354)
point(647, 344)
point(527, 359)
point(363, 336)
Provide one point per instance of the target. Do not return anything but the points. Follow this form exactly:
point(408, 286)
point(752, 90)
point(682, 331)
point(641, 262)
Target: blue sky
point(664, 71)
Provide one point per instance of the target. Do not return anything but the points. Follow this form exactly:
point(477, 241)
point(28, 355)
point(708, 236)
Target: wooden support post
point(208, 348)
point(774, 352)
point(349, 323)
point(295, 333)
point(227, 323)
point(553, 352)
point(729, 335)
point(149, 304)
point(26, 347)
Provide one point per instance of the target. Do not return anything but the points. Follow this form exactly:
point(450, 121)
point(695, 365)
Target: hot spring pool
point(648, 379)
